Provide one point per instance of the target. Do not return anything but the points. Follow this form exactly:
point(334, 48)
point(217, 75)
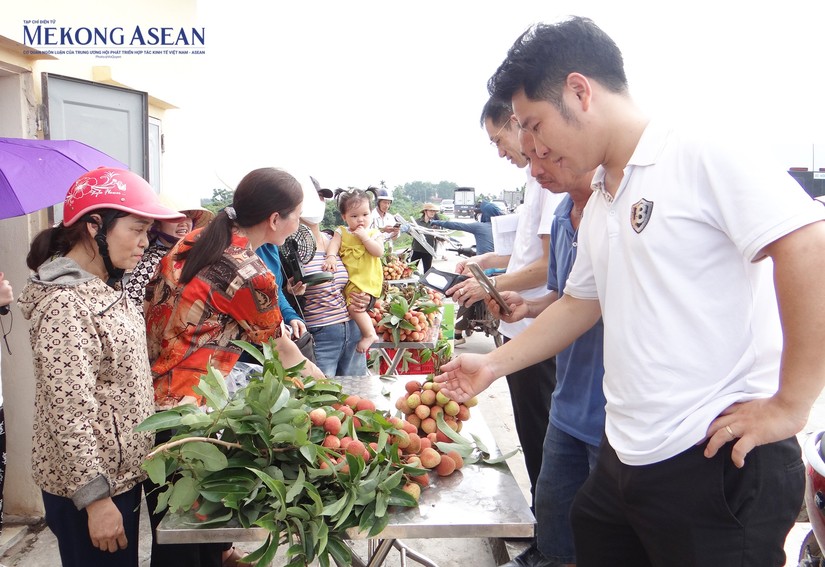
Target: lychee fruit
point(356, 447)
point(413, 489)
point(331, 442)
point(412, 386)
point(364, 404)
point(422, 411)
point(459, 460)
point(413, 401)
point(452, 408)
point(332, 424)
point(428, 397)
point(422, 479)
point(429, 458)
point(446, 467)
point(318, 416)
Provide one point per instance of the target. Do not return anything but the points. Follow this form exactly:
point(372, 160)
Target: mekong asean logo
point(111, 42)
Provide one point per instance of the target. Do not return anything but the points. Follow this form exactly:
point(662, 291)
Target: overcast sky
point(357, 92)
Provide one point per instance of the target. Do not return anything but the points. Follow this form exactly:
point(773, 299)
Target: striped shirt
point(324, 303)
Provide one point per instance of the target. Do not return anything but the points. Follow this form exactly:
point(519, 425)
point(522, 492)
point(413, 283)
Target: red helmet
point(111, 188)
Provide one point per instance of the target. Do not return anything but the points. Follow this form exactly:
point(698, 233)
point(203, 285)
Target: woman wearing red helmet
point(91, 365)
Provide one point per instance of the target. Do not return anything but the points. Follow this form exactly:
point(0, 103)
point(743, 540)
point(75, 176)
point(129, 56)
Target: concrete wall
point(18, 113)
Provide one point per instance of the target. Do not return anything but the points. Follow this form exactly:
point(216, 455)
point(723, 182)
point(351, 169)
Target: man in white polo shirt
point(691, 249)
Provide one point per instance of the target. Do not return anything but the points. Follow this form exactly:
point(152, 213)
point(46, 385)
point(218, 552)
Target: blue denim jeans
point(335, 352)
point(566, 464)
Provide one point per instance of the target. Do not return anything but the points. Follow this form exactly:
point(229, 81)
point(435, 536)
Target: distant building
point(812, 181)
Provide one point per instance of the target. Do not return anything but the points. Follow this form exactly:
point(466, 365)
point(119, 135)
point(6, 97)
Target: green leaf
point(251, 349)
point(335, 507)
point(156, 468)
point(196, 421)
point(269, 554)
point(479, 443)
point(276, 487)
point(310, 453)
point(184, 493)
point(299, 513)
point(442, 425)
point(281, 401)
point(400, 498)
point(392, 481)
point(211, 457)
point(379, 524)
point(296, 488)
point(463, 449)
point(367, 518)
point(321, 532)
point(501, 458)
point(212, 521)
point(381, 502)
point(163, 500)
point(339, 550)
point(213, 387)
point(169, 419)
point(343, 516)
point(258, 553)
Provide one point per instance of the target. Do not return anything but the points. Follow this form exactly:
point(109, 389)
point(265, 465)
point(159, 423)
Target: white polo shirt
point(535, 219)
point(690, 317)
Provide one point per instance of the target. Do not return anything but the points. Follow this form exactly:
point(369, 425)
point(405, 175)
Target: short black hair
point(542, 57)
point(497, 110)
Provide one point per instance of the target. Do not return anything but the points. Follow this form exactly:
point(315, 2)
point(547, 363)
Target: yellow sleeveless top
point(364, 269)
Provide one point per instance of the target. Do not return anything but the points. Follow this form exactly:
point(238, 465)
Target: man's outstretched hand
point(465, 376)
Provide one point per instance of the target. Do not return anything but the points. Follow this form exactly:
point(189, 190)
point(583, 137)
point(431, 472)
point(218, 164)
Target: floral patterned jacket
point(190, 327)
point(93, 384)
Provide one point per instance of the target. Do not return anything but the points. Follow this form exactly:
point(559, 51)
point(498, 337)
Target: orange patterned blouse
point(190, 327)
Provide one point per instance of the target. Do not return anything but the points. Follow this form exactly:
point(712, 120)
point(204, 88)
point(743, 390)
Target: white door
point(112, 119)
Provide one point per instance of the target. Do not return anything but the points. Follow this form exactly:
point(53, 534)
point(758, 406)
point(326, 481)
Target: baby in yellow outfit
point(360, 249)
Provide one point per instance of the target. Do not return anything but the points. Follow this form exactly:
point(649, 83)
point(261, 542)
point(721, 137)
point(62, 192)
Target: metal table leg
point(379, 549)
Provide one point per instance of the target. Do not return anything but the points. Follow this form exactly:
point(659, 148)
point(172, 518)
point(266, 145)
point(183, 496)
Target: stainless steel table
point(478, 501)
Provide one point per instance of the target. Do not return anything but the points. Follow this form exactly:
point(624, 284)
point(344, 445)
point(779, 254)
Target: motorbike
point(811, 553)
point(476, 317)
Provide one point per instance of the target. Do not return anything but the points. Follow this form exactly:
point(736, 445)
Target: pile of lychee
point(417, 448)
point(422, 403)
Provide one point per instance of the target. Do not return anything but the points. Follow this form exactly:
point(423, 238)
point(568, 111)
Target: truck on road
point(464, 201)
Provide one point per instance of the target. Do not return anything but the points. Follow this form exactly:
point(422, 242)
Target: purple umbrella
point(35, 174)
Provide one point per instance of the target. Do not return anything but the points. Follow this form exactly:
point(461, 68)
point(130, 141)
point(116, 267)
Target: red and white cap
point(112, 188)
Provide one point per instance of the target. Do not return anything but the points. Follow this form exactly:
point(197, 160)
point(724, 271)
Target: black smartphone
point(440, 280)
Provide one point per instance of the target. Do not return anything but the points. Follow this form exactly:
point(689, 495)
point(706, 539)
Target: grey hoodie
point(93, 383)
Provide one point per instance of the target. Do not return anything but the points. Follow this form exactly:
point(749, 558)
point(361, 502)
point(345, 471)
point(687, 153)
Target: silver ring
point(729, 430)
point(461, 291)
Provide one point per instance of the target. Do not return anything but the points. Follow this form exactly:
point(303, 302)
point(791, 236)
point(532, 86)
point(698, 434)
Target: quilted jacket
point(93, 384)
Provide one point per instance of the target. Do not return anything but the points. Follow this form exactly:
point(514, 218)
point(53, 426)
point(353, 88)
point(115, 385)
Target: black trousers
point(425, 257)
point(182, 554)
point(531, 390)
point(71, 528)
point(690, 511)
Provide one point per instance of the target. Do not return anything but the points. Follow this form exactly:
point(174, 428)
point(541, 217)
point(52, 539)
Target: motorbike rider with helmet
point(381, 217)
